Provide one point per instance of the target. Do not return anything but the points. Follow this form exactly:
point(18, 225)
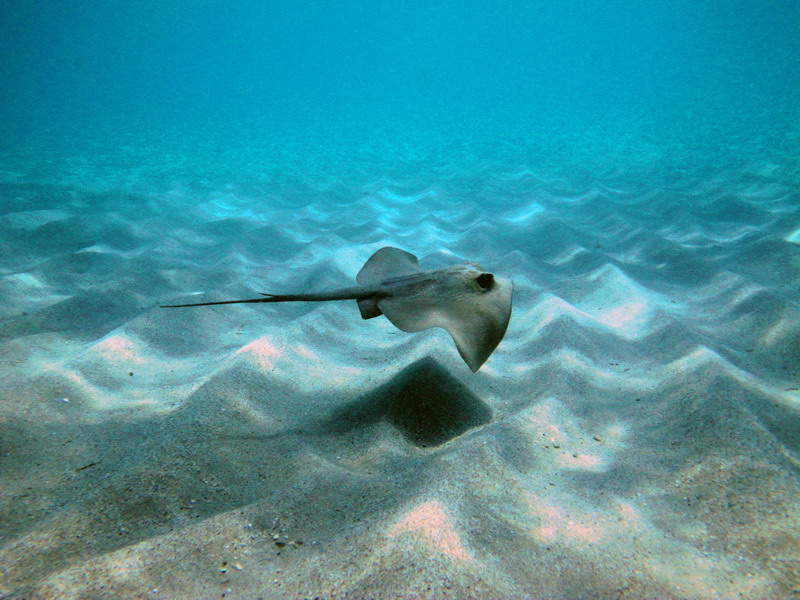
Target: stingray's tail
point(346, 294)
point(268, 298)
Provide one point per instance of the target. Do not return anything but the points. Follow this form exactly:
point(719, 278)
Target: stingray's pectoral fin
point(476, 338)
point(386, 263)
point(477, 323)
point(369, 308)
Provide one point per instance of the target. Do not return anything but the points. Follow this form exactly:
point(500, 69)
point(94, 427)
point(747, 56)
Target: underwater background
point(634, 167)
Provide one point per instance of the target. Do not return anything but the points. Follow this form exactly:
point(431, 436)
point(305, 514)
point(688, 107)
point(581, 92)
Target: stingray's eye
point(485, 280)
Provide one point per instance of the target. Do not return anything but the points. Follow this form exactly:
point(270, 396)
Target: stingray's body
point(472, 305)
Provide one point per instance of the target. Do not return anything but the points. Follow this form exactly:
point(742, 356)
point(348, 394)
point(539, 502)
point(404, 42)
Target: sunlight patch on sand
point(568, 255)
point(583, 462)
point(619, 530)
point(396, 197)
point(550, 423)
point(125, 564)
point(261, 351)
point(697, 576)
point(524, 215)
point(313, 372)
point(779, 332)
point(629, 517)
point(305, 352)
point(431, 521)
point(618, 303)
point(557, 524)
point(627, 316)
point(119, 348)
point(25, 281)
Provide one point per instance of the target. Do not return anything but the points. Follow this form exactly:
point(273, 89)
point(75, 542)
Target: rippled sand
point(637, 433)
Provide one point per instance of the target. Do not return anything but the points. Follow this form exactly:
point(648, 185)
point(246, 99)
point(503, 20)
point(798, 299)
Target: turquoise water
point(634, 167)
point(251, 90)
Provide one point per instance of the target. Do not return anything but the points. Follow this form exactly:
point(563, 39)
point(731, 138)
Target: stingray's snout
point(485, 280)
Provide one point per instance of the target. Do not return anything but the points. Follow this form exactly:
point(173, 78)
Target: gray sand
point(636, 434)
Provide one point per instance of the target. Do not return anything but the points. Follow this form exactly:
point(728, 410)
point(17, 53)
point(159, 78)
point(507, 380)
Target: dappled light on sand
point(559, 524)
point(430, 520)
point(119, 348)
point(629, 429)
point(262, 351)
point(624, 316)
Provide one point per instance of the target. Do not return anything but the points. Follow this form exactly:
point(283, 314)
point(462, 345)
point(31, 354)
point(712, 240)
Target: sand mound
point(636, 434)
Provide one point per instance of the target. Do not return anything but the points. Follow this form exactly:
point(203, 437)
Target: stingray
point(473, 305)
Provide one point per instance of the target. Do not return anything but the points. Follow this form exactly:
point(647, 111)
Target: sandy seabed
point(636, 434)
